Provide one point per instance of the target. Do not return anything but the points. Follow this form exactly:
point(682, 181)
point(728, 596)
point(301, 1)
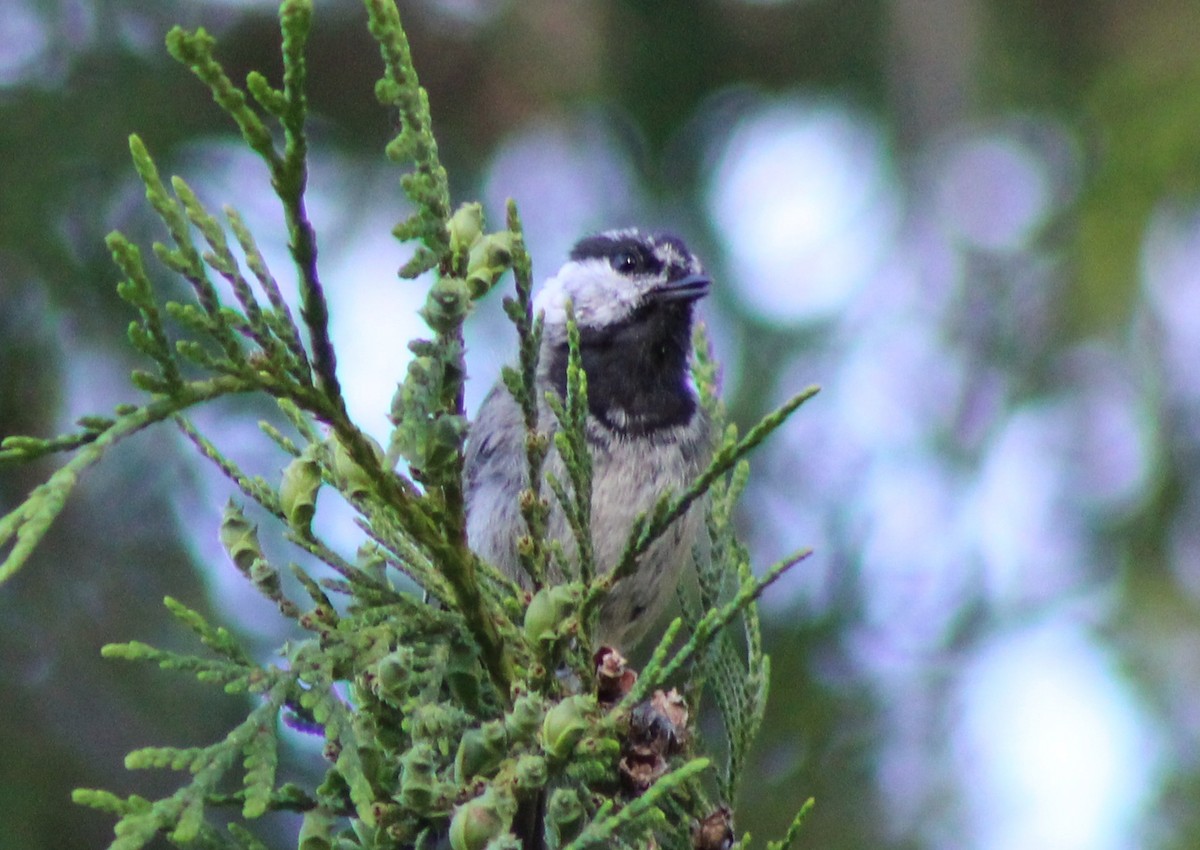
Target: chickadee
point(633, 296)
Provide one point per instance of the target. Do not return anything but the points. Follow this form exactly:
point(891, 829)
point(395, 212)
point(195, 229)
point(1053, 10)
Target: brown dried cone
point(715, 832)
point(673, 707)
point(614, 678)
point(657, 730)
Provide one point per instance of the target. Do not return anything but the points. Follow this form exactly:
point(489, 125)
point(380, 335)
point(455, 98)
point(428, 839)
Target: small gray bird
point(633, 295)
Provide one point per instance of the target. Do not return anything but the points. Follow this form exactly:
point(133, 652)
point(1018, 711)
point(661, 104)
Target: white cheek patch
point(601, 296)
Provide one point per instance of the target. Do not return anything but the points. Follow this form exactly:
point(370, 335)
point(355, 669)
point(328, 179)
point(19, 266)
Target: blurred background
point(976, 223)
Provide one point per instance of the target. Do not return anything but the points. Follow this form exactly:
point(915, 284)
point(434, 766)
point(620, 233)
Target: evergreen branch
point(441, 698)
point(732, 679)
point(289, 172)
point(286, 798)
point(106, 801)
point(652, 671)
point(430, 431)
point(432, 424)
point(604, 829)
point(408, 620)
point(410, 511)
point(706, 373)
point(706, 630)
point(406, 557)
point(221, 259)
point(246, 840)
point(316, 829)
point(649, 527)
point(295, 23)
point(289, 176)
point(329, 711)
point(233, 677)
point(253, 487)
point(758, 686)
point(522, 384)
point(149, 337)
point(726, 678)
point(717, 618)
point(261, 751)
point(427, 186)
point(173, 758)
point(183, 812)
point(756, 682)
point(789, 837)
point(19, 448)
point(738, 682)
point(461, 568)
point(316, 594)
point(240, 540)
point(216, 638)
point(280, 319)
point(727, 681)
point(506, 590)
point(265, 496)
point(303, 425)
point(138, 828)
point(191, 317)
point(566, 503)
point(24, 527)
point(195, 50)
point(195, 351)
point(726, 458)
point(306, 540)
point(570, 439)
point(184, 259)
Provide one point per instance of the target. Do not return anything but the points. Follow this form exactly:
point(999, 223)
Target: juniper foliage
point(444, 713)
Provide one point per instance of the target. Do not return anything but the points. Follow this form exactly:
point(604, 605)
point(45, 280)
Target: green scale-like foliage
point(466, 711)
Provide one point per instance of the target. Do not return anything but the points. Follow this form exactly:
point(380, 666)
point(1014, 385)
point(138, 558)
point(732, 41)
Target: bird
point(633, 294)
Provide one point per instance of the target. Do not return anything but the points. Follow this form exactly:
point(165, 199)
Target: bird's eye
point(626, 262)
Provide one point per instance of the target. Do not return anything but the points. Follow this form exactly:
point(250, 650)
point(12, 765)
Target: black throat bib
point(637, 369)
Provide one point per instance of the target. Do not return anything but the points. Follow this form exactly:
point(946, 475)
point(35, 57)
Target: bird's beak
point(685, 289)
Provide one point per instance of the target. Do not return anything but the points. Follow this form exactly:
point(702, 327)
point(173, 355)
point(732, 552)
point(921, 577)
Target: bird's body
point(633, 296)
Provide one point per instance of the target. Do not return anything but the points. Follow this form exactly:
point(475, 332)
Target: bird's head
point(622, 277)
point(633, 295)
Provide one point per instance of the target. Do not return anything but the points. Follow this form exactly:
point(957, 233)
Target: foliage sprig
point(445, 712)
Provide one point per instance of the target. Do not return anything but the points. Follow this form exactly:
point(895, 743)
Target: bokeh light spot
point(803, 201)
point(24, 39)
point(1053, 749)
point(994, 192)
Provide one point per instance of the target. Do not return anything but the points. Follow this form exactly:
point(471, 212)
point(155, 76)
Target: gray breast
point(630, 473)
